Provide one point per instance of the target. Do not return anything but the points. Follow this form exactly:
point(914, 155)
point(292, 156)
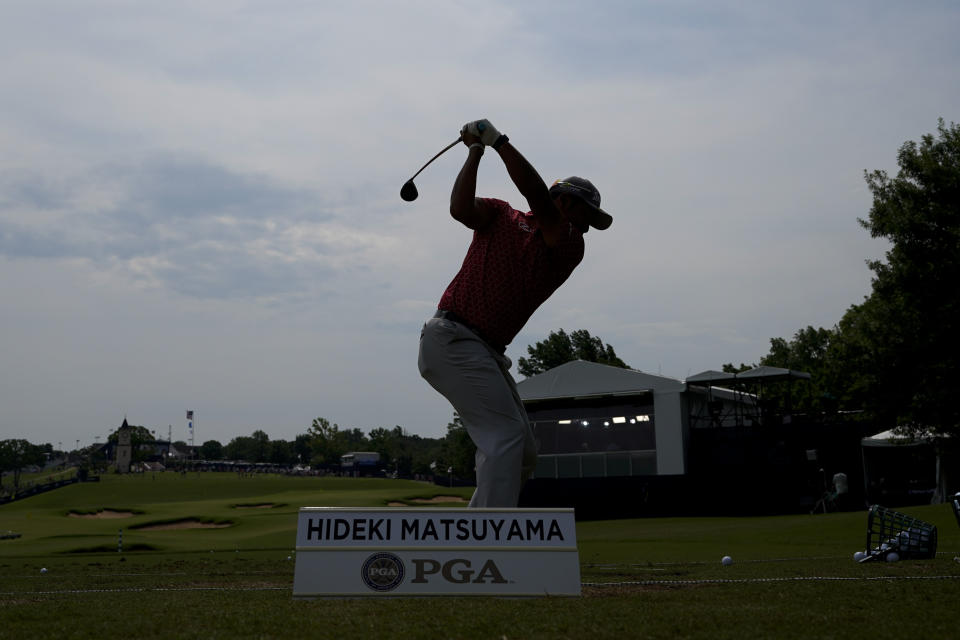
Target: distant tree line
point(324, 443)
point(321, 447)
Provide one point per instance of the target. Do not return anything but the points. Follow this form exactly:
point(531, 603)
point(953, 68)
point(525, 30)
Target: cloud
point(188, 225)
point(223, 177)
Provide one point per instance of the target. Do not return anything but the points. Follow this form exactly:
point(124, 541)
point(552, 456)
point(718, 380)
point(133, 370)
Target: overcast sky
point(199, 201)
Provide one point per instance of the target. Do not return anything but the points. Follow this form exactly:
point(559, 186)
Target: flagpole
point(191, 421)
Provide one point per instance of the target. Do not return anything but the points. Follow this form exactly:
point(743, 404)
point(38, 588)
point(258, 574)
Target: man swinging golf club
point(515, 262)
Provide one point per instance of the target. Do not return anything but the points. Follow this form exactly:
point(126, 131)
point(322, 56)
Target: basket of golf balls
point(892, 536)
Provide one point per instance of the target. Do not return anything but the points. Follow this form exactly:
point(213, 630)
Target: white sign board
point(425, 552)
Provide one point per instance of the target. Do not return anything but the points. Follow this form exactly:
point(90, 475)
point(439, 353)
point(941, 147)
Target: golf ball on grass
point(893, 556)
point(858, 556)
point(726, 561)
point(43, 570)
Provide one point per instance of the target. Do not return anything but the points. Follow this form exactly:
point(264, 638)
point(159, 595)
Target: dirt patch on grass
point(433, 500)
point(103, 514)
point(184, 524)
point(263, 505)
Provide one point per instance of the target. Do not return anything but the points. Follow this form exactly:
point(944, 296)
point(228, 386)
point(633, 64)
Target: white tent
point(916, 449)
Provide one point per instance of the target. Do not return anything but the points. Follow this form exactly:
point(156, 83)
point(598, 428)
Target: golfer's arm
point(463, 198)
point(533, 188)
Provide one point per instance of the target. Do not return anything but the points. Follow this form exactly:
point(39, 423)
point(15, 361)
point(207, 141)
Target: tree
point(381, 441)
point(301, 448)
point(241, 448)
point(351, 440)
point(15, 454)
point(425, 452)
point(325, 445)
point(281, 452)
point(907, 341)
point(810, 351)
point(211, 450)
point(731, 368)
point(402, 452)
point(391, 445)
point(896, 354)
point(253, 448)
point(458, 450)
point(559, 348)
point(139, 436)
point(261, 446)
point(852, 351)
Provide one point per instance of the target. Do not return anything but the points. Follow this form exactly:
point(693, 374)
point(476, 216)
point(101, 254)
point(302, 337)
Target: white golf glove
point(487, 133)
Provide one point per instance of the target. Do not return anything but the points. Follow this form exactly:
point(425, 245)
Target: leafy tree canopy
point(909, 324)
point(15, 454)
point(211, 450)
point(458, 450)
point(138, 435)
point(560, 347)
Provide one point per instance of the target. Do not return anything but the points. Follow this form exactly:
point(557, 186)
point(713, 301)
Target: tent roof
point(579, 378)
point(769, 374)
point(757, 374)
point(710, 377)
point(889, 438)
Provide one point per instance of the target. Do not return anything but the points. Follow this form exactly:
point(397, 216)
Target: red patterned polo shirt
point(508, 272)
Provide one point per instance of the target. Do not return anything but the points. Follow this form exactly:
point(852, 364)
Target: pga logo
point(457, 571)
point(383, 572)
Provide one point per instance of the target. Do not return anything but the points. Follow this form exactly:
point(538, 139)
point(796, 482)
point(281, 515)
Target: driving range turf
point(792, 577)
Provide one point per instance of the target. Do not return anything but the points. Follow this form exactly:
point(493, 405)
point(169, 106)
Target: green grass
point(47, 528)
point(793, 576)
point(41, 476)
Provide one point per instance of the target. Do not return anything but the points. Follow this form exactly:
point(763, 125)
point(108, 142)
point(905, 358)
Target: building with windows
point(592, 420)
point(614, 441)
point(361, 463)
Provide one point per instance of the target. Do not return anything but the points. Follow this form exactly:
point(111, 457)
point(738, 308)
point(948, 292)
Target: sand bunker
point(106, 514)
point(433, 500)
point(185, 524)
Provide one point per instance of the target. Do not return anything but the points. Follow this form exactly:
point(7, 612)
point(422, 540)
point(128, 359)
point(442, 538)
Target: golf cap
point(584, 189)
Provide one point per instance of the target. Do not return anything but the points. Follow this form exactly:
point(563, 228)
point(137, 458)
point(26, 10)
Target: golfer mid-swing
point(515, 262)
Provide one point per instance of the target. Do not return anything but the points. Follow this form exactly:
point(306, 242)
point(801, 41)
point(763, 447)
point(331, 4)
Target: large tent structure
point(748, 387)
point(615, 441)
point(593, 420)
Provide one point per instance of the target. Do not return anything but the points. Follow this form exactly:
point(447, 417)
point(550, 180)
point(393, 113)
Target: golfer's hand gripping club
point(482, 129)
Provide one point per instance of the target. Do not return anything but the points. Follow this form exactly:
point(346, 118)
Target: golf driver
point(409, 190)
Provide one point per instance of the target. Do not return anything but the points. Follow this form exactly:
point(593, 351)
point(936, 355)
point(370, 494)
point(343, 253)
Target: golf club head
point(409, 191)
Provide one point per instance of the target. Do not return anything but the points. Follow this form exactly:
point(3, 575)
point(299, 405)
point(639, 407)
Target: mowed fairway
point(221, 566)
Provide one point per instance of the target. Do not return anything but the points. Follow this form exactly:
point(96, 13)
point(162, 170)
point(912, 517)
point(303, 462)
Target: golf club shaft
point(442, 151)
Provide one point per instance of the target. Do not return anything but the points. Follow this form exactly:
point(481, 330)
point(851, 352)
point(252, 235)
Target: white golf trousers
point(477, 382)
